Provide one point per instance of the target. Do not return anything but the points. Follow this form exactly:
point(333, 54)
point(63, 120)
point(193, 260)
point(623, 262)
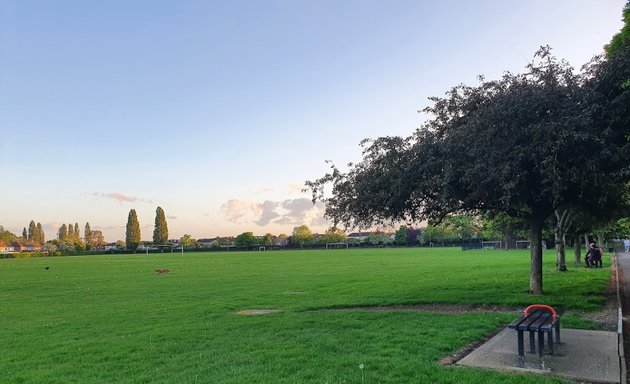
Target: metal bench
point(537, 319)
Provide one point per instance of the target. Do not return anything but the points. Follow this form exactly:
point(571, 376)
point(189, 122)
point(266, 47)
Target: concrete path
point(582, 355)
point(593, 356)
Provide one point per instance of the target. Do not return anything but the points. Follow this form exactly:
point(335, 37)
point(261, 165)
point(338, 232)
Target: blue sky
point(218, 111)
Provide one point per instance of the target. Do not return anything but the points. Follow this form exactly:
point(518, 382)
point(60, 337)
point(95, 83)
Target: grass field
point(112, 319)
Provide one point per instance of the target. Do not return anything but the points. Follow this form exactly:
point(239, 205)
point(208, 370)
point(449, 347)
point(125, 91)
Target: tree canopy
point(245, 239)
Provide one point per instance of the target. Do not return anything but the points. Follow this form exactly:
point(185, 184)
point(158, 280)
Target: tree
point(160, 231)
point(132, 234)
point(86, 235)
point(623, 37)
point(400, 237)
point(245, 239)
point(70, 236)
point(464, 227)
point(40, 233)
point(379, 238)
point(32, 231)
point(95, 238)
point(7, 236)
point(302, 236)
point(514, 145)
point(77, 233)
point(62, 234)
point(187, 241)
point(333, 235)
point(24, 234)
point(413, 236)
point(268, 240)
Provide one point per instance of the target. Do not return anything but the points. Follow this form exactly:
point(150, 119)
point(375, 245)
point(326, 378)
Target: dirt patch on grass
point(253, 312)
point(433, 308)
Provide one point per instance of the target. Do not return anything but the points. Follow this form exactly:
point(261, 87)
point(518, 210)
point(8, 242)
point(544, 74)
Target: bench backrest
point(543, 307)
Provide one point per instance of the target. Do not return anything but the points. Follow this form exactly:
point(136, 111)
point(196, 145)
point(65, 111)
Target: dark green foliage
point(623, 37)
point(24, 234)
point(400, 237)
point(245, 239)
point(160, 231)
point(132, 233)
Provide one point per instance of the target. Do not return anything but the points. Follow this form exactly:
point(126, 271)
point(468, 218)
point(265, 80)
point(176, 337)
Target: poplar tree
point(86, 234)
point(24, 234)
point(32, 231)
point(40, 233)
point(77, 233)
point(70, 235)
point(62, 234)
point(132, 235)
point(160, 232)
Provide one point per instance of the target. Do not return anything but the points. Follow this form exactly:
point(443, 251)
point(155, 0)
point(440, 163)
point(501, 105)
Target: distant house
point(29, 246)
point(358, 236)
point(6, 248)
point(109, 246)
point(207, 243)
point(280, 241)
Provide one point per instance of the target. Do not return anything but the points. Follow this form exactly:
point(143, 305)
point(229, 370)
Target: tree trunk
point(536, 271)
point(586, 241)
point(577, 251)
point(563, 222)
point(561, 259)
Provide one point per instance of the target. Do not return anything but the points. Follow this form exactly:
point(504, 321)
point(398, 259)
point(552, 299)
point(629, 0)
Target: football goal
point(336, 246)
point(262, 248)
point(525, 244)
point(497, 244)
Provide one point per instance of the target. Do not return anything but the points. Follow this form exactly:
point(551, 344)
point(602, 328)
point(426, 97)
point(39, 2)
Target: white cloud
point(120, 197)
point(287, 212)
point(237, 210)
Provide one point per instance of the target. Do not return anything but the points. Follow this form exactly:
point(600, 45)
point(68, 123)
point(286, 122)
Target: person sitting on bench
point(593, 256)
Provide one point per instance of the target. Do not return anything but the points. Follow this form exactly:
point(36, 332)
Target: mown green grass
point(104, 319)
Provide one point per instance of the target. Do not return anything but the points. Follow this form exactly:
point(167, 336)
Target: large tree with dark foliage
point(525, 145)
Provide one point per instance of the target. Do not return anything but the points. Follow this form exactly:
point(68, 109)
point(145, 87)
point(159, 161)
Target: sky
point(219, 111)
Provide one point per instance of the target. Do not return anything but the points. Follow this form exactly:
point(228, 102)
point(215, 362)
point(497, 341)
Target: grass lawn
point(112, 319)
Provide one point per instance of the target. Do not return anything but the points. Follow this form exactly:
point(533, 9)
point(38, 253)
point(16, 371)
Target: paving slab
point(582, 355)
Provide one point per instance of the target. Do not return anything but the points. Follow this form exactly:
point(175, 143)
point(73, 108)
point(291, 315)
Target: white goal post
point(525, 244)
point(496, 244)
point(262, 248)
point(336, 245)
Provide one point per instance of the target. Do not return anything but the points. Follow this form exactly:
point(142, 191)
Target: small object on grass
point(46, 268)
point(162, 270)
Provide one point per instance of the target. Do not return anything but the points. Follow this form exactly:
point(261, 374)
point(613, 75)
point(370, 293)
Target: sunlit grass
point(104, 319)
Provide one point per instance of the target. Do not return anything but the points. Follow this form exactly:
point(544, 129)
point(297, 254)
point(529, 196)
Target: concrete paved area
point(583, 355)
